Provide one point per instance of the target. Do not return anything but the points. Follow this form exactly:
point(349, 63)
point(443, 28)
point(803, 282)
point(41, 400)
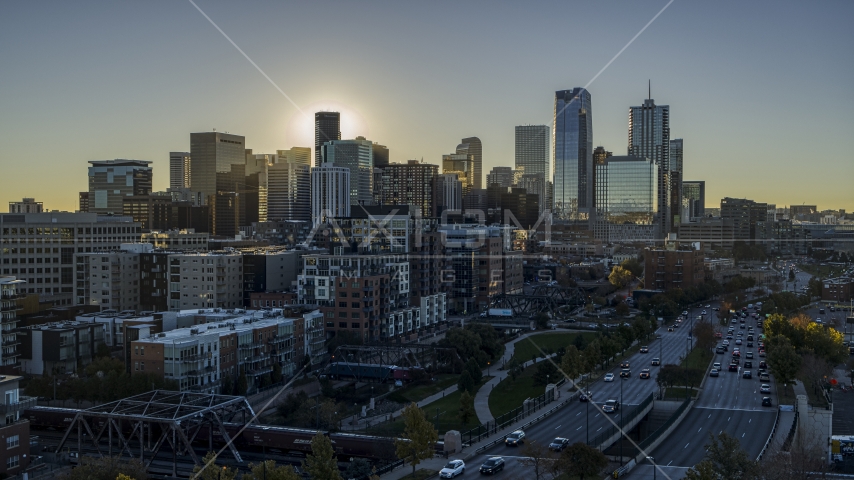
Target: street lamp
point(622, 379)
point(487, 368)
point(651, 460)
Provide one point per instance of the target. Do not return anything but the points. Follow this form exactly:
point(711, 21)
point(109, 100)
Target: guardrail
point(657, 433)
point(598, 440)
point(787, 443)
point(770, 437)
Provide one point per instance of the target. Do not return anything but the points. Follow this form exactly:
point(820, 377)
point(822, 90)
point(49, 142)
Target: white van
point(750, 306)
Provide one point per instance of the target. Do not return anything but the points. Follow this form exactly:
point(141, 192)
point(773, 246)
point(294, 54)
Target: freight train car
point(361, 371)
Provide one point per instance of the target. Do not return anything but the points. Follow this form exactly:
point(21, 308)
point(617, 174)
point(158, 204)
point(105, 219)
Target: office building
point(412, 183)
point(374, 229)
point(15, 458)
point(83, 201)
point(269, 270)
point(357, 155)
point(11, 289)
point(649, 137)
point(59, 347)
point(330, 193)
point(327, 127)
point(573, 156)
point(675, 184)
point(289, 185)
point(676, 265)
point(205, 280)
point(179, 170)
point(463, 166)
point(112, 180)
point(450, 193)
point(255, 188)
point(501, 176)
point(27, 205)
point(39, 248)
point(626, 200)
point(473, 148)
point(381, 157)
point(177, 240)
point(535, 184)
point(475, 203)
point(217, 176)
point(532, 150)
point(516, 207)
point(744, 215)
point(693, 200)
point(713, 233)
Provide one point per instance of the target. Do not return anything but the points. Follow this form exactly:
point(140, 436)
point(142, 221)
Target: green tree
point(358, 468)
point(726, 459)
point(791, 275)
point(419, 437)
point(515, 368)
point(572, 363)
point(592, 355)
point(242, 385)
point(474, 370)
point(620, 277)
point(467, 411)
point(546, 373)
point(581, 460)
point(321, 462)
point(541, 320)
point(268, 470)
point(814, 287)
point(276, 375)
point(633, 265)
point(103, 351)
point(106, 468)
point(704, 333)
point(702, 471)
point(466, 383)
point(783, 359)
point(622, 309)
point(209, 470)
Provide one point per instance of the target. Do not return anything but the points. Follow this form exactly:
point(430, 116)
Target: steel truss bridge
point(543, 299)
point(173, 418)
point(404, 355)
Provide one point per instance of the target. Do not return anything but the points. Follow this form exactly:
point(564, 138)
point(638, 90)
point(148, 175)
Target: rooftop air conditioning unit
point(194, 331)
point(201, 311)
point(161, 335)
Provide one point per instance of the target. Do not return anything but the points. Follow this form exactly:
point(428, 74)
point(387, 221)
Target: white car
point(609, 377)
point(765, 388)
point(452, 469)
point(717, 366)
point(704, 312)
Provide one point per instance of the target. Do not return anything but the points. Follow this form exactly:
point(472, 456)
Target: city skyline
point(113, 98)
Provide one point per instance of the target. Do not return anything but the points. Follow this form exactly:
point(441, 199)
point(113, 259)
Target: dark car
point(749, 354)
point(611, 406)
point(585, 396)
point(494, 464)
point(644, 350)
point(515, 438)
point(625, 373)
point(766, 401)
point(748, 364)
point(763, 364)
point(644, 373)
point(624, 364)
point(558, 444)
point(733, 367)
point(749, 344)
point(746, 374)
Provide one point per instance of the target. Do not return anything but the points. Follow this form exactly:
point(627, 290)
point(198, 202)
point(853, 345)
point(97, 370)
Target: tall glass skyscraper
point(573, 155)
point(472, 146)
point(356, 155)
point(626, 199)
point(649, 137)
point(327, 127)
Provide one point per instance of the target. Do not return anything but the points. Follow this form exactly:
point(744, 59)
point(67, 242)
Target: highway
point(571, 421)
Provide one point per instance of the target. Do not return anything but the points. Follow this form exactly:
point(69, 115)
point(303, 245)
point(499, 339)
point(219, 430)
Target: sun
point(299, 131)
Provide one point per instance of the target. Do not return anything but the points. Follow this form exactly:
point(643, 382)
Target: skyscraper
point(463, 166)
point(649, 137)
point(450, 193)
point(357, 155)
point(112, 180)
point(330, 193)
point(532, 149)
point(693, 200)
point(472, 146)
point(675, 184)
point(412, 183)
point(573, 155)
point(626, 199)
point(289, 185)
point(179, 170)
point(327, 127)
point(380, 155)
point(218, 178)
point(503, 176)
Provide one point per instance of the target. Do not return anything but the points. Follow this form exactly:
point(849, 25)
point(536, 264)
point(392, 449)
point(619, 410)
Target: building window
point(12, 462)
point(13, 441)
point(136, 366)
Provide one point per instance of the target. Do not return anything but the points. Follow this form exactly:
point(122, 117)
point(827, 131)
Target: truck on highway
point(500, 312)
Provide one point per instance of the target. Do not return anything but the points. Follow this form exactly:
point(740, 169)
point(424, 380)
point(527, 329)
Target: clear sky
point(760, 91)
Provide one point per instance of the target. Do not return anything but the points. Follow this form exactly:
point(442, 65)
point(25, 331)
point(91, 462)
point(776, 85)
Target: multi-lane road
point(572, 420)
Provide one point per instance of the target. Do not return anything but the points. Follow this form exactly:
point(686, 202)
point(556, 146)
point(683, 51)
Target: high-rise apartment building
point(412, 183)
point(693, 200)
point(330, 193)
point(502, 176)
point(573, 155)
point(289, 185)
point(27, 205)
point(179, 170)
point(676, 177)
point(626, 199)
point(40, 248)
point(217, 176)
point(327, 127)
point(11, 289)
point(205, 280)
point(110, 279)
point(356, 155)
point(269, 270)
point(745, 214)
point(463, 166)
point(112, 180)
point(83, 199)
point(473, 147)
point(450, 193)
point(649, 137)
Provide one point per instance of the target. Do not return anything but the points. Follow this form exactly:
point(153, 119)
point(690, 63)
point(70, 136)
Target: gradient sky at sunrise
point(760, 91)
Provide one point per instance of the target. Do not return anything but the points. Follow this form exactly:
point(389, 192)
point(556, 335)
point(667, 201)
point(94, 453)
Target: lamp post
point(621, 420)
point(487, 368)
point(652, 462)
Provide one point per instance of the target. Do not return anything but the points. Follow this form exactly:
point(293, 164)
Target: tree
point(106, 468)
point(783, 359)
point(538, 457)
point(546, 373)
point(726, 459)
point(466, 383)
point(515, 368)
point(122, 476)
point(103, 351)
point(242, 385)
point(209, 470)
point(804, 459)
point(474, 370)
point(791, 275)
point(572, 363)
point(702, 471)
point(276, 375)
point(633, 265)
point(704, 333)
point(592, 354)
point(321, 462)
point(358, 468)
point(620, 277)
point(467, 411)
point(541, 320)
point(268, 470)
point(814, 287)
point(622, 309)
point(581, 460)
point(419, 437)
point(227, 385)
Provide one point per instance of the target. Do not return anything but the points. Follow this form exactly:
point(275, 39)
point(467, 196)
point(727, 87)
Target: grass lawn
point(509, 394)
point(448, 409)
point(698, 359)
point(417, 392)
point(548, 342)
point(819, 270)
point(420, 474)
point(786, 395)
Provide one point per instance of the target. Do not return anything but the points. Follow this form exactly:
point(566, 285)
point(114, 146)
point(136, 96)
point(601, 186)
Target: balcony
point(23, 404)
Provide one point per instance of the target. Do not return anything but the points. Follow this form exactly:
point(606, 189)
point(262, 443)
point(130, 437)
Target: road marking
point(577, 429)
point(710, 415)
point(600, 428)
point(686, 445)
point(727, 418)
point(698, 431)
point(749, 420)
point(742, 435)
point(557, 427)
